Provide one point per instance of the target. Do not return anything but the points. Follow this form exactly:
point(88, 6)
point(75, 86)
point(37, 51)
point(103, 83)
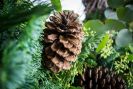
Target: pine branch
point(18, 55)
point(13, 19)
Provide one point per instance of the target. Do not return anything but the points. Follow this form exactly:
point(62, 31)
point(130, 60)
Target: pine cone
point(63, 40)
point(101, 78)
point(93, 5)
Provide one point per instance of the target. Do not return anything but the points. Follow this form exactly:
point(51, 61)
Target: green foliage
point(18, 59)
point(100, 27)
point(115, 4)
point(9, 5)
point(124, 38)
point(21, 55)
point(8, 20)
point(115, 48)
point(112, 24)
point(56, 4)
point(125, 13)
point(72, 87)
point(107, 50)
point(91, 41)
point(122, 65)
point(119, 3)
point(95, 25)
point(103, 43)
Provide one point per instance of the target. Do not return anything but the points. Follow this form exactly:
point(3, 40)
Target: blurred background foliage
point(108, 41)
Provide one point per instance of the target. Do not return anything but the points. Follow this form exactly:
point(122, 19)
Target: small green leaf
point(111, 24)
point(56, 4)
point(103, 43)
point(124, 37)
point(125, 14)
point(95, 25)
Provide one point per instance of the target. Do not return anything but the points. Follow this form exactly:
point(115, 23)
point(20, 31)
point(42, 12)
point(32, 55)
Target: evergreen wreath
point(63, 52)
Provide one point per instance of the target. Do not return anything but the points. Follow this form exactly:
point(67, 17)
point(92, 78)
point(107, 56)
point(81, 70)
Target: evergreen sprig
point(17, 17)
point(35, 48)
point(18, 55)
point(22, 57)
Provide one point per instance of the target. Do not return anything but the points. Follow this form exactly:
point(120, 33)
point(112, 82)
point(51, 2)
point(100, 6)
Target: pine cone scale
point(50, 38)
point(70, 58)
point(50, 25)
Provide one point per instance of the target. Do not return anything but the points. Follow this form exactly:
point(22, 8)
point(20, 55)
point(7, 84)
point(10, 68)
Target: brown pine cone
point(101, 78)
point(63, 40)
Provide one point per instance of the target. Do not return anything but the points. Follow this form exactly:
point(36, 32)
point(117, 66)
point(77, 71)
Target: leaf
point(124, 37)
point(95, 25)
point(130, 57)
point(111, 24)
point(110, 14)
point(103, 43)
point(125, 14)
point(115, 3)
point(56, 4)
